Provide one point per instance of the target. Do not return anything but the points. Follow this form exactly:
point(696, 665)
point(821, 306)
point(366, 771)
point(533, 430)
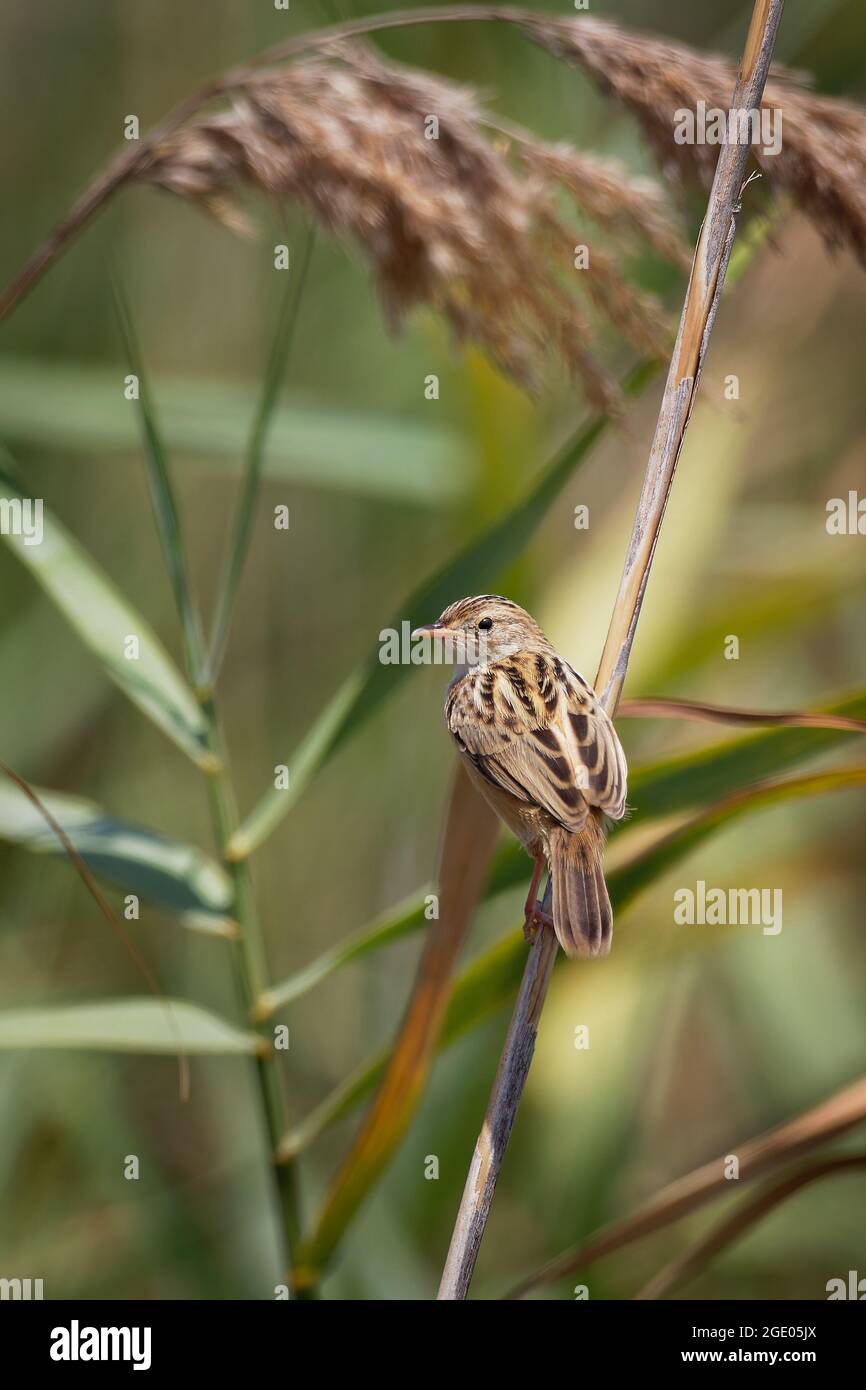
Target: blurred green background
point(700, 1036)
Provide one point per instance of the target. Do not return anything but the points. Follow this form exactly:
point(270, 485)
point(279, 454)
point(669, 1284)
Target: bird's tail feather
point(582, 915)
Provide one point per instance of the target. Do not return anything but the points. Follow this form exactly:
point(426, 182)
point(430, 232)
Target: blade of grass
point(175, 876)
point(147, 973)
point(272, 384)
point(104, 621)
point(633, 877)
point(126, 1025)
point(392, 926)
point(162, 497)
point(69, 407)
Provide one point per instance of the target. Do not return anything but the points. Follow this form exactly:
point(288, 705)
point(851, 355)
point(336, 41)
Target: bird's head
point(486, 628)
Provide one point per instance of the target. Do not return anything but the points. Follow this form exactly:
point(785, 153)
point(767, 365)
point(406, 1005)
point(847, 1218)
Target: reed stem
point(696, 323)
point(251, 980)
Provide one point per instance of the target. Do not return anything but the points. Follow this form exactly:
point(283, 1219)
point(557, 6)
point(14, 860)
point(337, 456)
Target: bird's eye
point(485, 625)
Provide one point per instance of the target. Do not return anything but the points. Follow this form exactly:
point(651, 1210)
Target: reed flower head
point(401, 165)
point(821, 162)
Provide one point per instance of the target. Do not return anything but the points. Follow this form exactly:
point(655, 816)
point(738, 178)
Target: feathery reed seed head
point(822, 159)
point(447, 217)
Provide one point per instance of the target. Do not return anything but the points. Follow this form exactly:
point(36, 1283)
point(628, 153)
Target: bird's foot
point(535, 917)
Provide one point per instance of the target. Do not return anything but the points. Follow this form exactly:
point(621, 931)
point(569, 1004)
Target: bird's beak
point(429, 630)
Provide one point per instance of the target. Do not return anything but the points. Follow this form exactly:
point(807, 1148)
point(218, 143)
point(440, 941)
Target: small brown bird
point(540, 748)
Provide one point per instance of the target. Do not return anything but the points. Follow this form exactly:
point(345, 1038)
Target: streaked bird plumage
point(541, 749)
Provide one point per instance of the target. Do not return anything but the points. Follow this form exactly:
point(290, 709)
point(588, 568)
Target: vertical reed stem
point(698, 315)
point(251, 980)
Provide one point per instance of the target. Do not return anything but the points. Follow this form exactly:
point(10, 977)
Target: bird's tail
point(582, 915)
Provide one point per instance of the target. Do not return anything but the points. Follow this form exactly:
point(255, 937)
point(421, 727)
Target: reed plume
point(822, 160)
point(400, 164)
point(441, 207)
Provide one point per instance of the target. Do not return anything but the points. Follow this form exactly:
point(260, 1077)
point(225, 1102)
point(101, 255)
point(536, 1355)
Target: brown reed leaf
point(449, 222)
point(822, 160)
point(699, 712)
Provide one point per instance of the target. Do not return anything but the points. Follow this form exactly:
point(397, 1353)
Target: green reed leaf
point(126, 1025)
point(255, 455)
point(72, 408)
point(177, 877)
point(165, 513)
point(104, 620)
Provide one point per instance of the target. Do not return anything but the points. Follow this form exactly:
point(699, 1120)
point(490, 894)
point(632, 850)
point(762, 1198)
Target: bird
point(538, 745)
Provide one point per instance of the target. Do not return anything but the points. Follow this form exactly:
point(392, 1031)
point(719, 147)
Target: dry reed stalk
point(698, 314)
point(700, 713)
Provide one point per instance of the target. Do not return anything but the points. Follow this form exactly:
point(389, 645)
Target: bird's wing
point(532, 726)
